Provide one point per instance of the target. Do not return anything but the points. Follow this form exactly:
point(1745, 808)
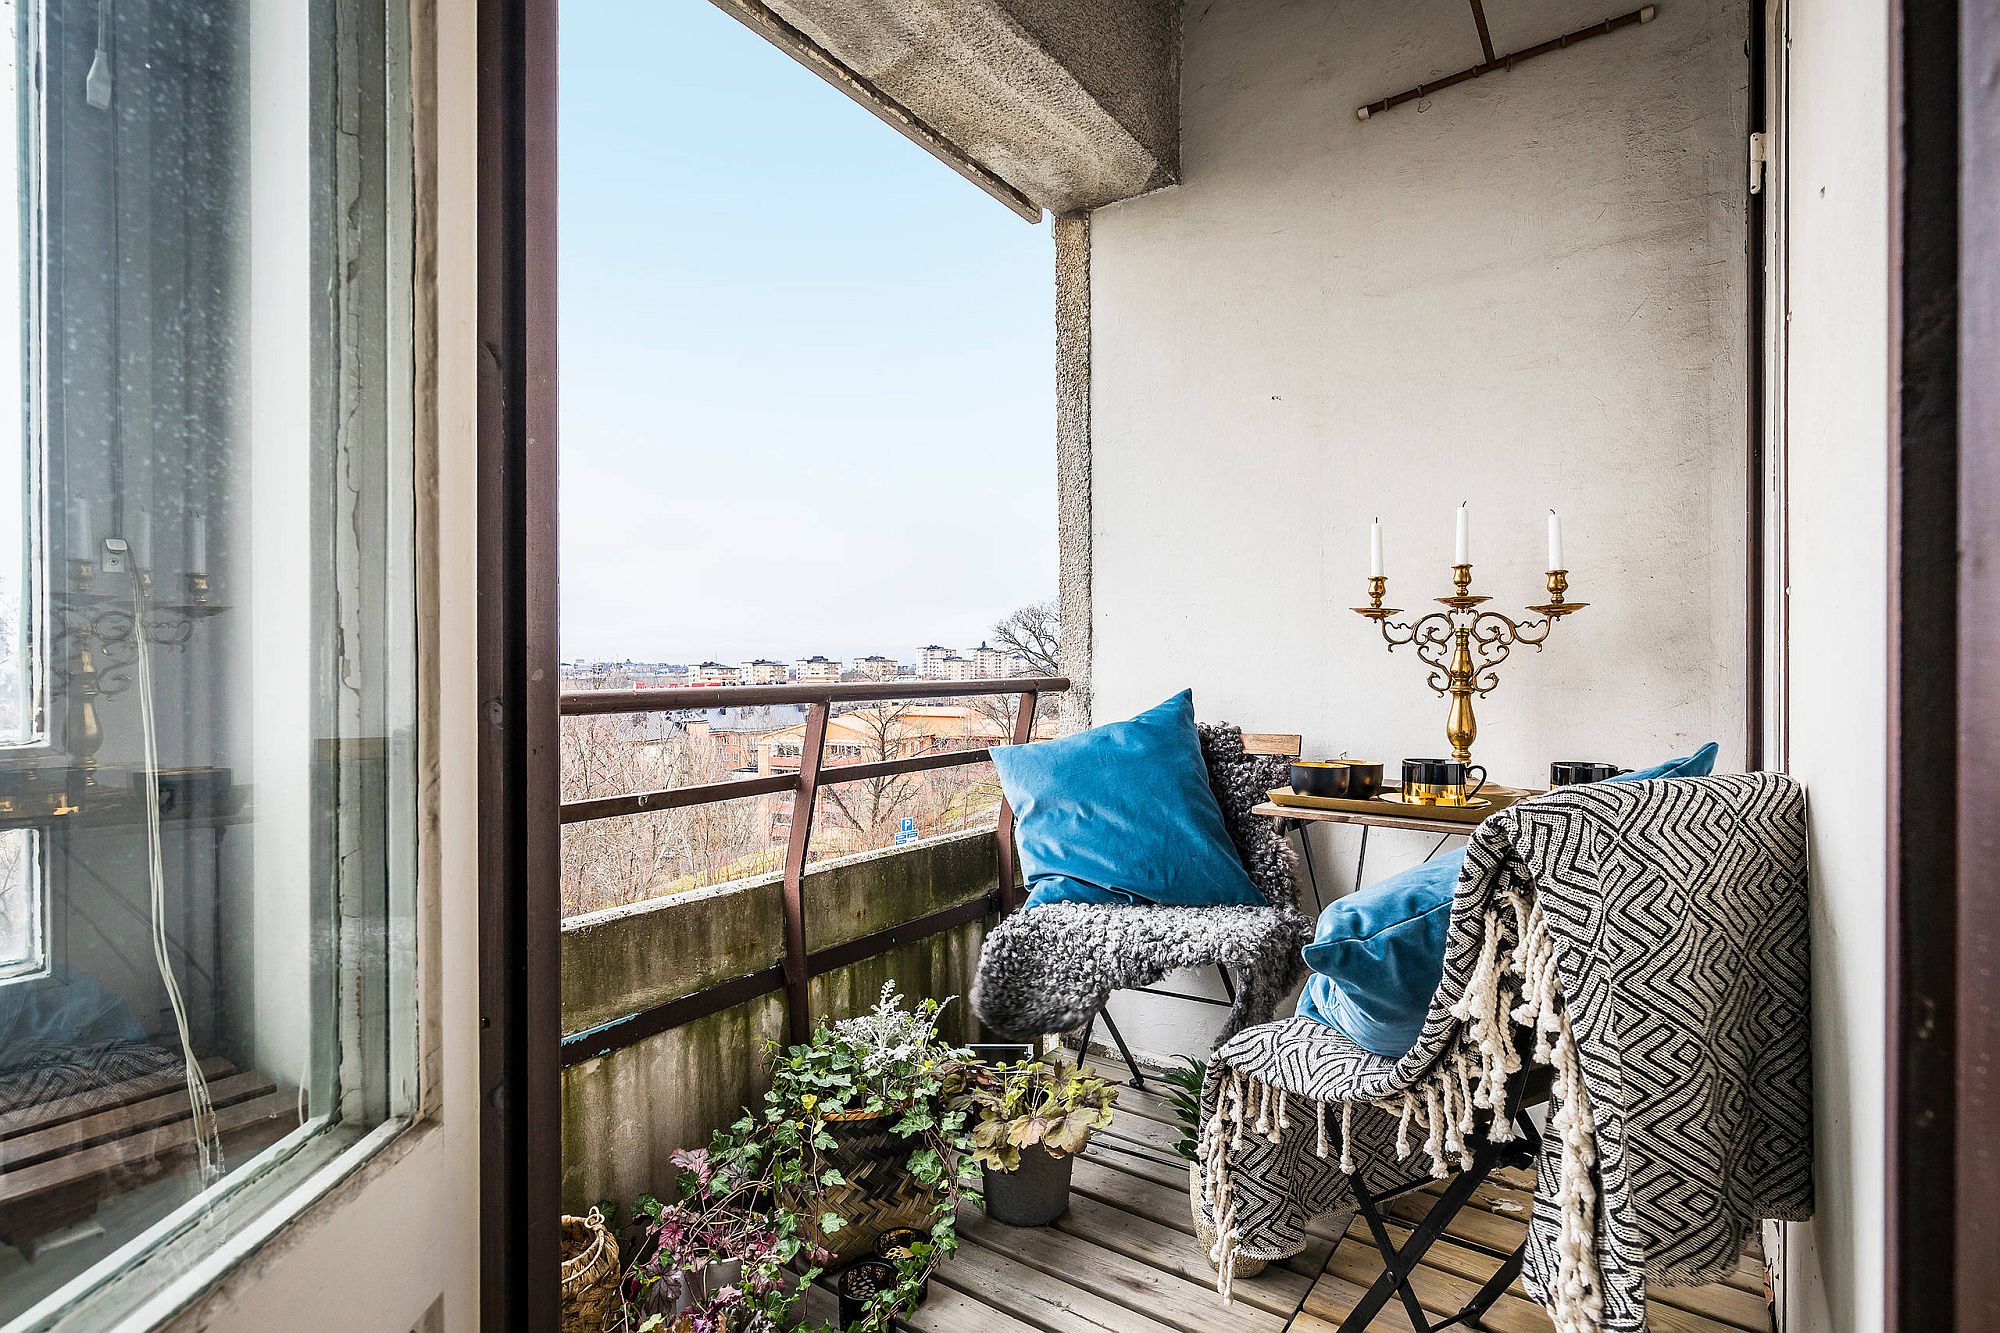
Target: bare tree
point(1035, 632)
point(608, 862)
point(870, 812)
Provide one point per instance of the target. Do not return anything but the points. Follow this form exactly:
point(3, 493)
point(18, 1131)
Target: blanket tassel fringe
point(1512, 983)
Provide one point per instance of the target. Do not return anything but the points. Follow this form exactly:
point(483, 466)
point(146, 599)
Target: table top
point(1413, 823)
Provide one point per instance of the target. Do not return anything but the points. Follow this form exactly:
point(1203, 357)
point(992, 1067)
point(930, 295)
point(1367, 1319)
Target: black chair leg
point(1083, 1040)
point(1496, 1286)
point(1399, 1263)
point(1312, 873)
point(1138, 1079)
point(1083, 1044)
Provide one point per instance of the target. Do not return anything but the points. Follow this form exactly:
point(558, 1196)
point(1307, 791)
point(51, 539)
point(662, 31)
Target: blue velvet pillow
point(1122, 813)
point(1377, 956)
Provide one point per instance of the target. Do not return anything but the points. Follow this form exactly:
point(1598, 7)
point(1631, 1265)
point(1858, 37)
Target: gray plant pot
point(713, 1278)
point(1035, 1194)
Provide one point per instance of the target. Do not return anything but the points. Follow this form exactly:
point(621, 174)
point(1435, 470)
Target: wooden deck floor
point(1124, 1260)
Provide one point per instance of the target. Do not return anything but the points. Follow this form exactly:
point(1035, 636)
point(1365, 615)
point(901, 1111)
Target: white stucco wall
point(1528, 291)
point(1838, 404)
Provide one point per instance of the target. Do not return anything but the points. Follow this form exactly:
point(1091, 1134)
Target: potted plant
point(716, 1260)
point(860, 1134)
point(1184, 1093)
point(1029, 1122)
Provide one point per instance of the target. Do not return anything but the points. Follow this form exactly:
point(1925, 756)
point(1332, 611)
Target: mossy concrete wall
point(624, 1113)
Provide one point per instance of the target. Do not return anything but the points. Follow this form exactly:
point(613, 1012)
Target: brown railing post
point(1024, 730)
point(798, 975)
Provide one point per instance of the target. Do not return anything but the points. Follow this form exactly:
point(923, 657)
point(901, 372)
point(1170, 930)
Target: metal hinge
point(1760, 153)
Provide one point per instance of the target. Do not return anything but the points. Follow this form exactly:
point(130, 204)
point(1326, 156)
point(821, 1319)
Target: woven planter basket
point(589, 1273)
point(879, 1195)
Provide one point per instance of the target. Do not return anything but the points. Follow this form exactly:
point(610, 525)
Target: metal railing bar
point(676, 798)
point(798, 1005)
point(691, 698)
point(684, 1009)
point(886, 768)
point(836, 956)
point(1003, 831)
point(677, 1012)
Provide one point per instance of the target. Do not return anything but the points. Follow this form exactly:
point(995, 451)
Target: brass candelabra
point(1463, 645)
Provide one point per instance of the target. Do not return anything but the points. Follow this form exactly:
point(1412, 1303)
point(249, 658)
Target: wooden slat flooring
point(1124, 1260)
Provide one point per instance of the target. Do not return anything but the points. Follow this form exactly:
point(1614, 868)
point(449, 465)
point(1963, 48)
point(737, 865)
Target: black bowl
point(1320, 777)
point(1364, 779)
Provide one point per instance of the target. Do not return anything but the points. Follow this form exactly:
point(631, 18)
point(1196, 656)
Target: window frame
point(200, 1244)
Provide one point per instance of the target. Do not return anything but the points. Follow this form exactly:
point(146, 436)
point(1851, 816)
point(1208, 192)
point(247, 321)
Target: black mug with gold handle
point(1440, 781)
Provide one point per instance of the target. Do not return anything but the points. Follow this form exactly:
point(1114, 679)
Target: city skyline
point(808, 372)
point(932, 661)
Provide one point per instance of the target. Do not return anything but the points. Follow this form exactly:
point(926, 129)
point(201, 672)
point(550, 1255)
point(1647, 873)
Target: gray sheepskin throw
point(1050, 969)
point(1647, 941)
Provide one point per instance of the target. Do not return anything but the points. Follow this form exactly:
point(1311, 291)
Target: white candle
point(1556, 541)
point(79, 530)
point(1375, 549)
point(198, 545)
point(142, 542)
point(1460, 555)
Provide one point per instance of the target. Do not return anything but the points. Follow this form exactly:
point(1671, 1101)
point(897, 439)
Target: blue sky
point(807, 371)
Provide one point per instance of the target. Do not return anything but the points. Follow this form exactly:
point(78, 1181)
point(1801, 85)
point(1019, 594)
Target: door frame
point(520, 913)
point(1943, 1238)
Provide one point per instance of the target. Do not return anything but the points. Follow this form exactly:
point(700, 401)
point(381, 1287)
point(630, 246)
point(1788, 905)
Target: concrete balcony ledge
point(626, 1111)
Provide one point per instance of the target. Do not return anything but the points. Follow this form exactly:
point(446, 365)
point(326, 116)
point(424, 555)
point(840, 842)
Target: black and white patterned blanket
point(1647, 941)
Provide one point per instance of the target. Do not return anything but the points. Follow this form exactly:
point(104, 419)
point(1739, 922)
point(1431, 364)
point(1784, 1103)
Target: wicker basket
point(589, 1273)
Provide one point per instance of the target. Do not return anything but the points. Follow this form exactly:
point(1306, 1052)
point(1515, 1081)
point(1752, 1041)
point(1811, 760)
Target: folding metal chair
point(1530, 1088)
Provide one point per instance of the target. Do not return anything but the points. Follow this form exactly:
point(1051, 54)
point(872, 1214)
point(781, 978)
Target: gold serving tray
point(1390, 802)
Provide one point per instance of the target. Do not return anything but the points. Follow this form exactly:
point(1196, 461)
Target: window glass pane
point(22, 906)
point(20, 491)
point(206, 864)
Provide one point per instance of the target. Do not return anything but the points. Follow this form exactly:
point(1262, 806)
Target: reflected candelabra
point(95, 639)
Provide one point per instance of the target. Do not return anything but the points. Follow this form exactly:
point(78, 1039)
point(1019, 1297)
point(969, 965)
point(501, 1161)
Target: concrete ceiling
point(1047, 104)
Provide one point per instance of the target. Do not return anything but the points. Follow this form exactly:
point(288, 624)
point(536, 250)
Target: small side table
point(1295, 819)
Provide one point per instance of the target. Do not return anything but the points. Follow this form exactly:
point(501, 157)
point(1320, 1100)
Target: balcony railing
point(800, 965)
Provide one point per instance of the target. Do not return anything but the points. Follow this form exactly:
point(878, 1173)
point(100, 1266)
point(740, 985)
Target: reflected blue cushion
point(1377, 956)
point(1122, 813)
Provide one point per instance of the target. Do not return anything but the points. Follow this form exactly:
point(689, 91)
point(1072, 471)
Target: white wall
point(1526, 291)
point(1838, 405)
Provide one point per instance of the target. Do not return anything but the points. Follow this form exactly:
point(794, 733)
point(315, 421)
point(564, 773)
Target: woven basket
point(589, 1273)
point(877, 1192)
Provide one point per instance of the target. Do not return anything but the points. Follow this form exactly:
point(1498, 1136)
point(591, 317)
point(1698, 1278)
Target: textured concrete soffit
point(1078, 112)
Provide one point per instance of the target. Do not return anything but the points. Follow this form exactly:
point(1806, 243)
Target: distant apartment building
point(996, 663)
point(930, 660)
point(956, 668)
point(877, 668)
point(763, 671)
point(717, 673)
point(875, 731)
point(816, 670)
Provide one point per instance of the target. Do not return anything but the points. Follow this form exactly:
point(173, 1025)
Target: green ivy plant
point(891, 1062)
point(1036, 1103)
point(1184, 1091)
